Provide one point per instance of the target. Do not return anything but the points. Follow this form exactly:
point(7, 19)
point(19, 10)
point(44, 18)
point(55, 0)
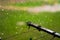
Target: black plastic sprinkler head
point(0, 38)
point(55, 34)
point(33, 25)
point(30, 39)
point(28, 23)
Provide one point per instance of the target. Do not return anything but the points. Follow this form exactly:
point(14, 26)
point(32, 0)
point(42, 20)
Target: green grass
point(34, 3)
point(28, 4)
point(8, 24)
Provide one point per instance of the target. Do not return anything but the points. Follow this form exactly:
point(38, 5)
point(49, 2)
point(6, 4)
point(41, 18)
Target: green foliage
point(36, 3)
point(9, 18)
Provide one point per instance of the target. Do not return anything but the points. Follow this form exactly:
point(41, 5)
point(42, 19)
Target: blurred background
point(35, 2)
point(15, 13)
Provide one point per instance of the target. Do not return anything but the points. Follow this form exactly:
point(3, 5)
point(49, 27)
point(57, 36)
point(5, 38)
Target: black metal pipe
point(55, 34)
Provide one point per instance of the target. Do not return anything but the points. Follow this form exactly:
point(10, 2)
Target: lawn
point(35, 3)
point(9, 30)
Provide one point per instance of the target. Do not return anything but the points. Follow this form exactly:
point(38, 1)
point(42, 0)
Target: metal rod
point(55, 34)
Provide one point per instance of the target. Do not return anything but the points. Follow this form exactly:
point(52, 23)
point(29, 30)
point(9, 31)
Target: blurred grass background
point(28, 2)
point(9, 18)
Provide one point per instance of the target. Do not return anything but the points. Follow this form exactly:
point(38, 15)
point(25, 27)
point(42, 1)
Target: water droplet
point(21, 28)
point(7, 13)
point(35, 37)
point(0, 37)
point(2, 33)
point(16, 32)
point(20, 23)
point(45, 16)
point(51, 20)
point(16, 27)
point(40, 23)
point(2, 9)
